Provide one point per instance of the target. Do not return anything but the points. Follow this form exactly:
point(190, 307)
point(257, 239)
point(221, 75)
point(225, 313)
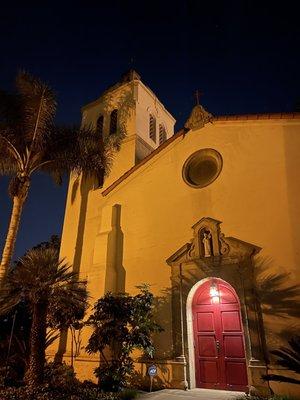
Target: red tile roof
point(294, 115)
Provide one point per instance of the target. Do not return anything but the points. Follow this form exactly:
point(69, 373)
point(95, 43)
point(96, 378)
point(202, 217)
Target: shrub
point(113, 376)
point(128, 394)
point(122, 323)
point(60, 375)
point(44, 392)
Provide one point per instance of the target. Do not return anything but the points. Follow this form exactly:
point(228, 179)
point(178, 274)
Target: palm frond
point(8, 165)
point(40, 275)
point(9, 296)
point(73, 149)
point(67, 305)
point(38, 106)
point(8, 146)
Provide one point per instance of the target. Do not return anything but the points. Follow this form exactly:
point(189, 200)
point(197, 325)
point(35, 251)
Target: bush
point(113, 377)
point(60, 375)
point(61, 384)
point(46, 393)
point(121, 324)
point(128, 394)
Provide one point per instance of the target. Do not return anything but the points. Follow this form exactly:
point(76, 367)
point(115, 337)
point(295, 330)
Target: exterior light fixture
point(214, 293)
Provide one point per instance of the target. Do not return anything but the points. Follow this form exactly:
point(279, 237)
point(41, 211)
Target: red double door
point(218, 338)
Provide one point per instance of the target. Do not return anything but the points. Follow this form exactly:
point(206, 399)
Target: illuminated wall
point(119, 237)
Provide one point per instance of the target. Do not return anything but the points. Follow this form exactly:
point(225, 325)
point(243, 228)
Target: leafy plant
point(128, 394)
point(113, 375)
point(60, 375)
point(14, 343)
point(288, 358)
point(121, 324)
point(80, 391)
point(46, 285)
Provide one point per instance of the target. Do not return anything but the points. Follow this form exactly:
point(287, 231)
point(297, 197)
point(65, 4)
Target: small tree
point(122, 323)
point(49, 288)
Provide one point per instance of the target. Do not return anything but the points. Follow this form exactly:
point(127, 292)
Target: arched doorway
point(219, 348)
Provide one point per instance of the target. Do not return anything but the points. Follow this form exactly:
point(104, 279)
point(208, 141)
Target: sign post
point(152, 372)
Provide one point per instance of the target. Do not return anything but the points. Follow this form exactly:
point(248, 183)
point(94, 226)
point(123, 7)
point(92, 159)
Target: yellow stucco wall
point(256, 196)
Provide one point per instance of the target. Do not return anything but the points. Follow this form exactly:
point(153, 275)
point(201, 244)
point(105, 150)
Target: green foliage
point(288, 358)
point(53, 243)
point(80, 391)
point(30, 141)
point(113, 375)
point(122, 323)
point(43, 283)
point(39, 275)
point(18, 323)
point(18, 355)
point(60, 375)
point(128, 394)
point(61, 384)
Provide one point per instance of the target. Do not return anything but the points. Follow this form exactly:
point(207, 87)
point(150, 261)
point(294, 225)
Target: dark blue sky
point(244, 56)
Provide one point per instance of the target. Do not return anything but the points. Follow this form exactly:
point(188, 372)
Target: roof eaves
point(144, 161)
point(183, 132)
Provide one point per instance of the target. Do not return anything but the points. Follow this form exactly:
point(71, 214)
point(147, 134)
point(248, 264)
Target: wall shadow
point(115, 276)
point(86, 185)
point(279, 298)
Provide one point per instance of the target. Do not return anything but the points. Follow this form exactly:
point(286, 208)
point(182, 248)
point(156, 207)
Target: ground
point(194, 394)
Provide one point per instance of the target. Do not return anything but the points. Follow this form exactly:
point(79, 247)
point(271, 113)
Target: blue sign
point(152, 370)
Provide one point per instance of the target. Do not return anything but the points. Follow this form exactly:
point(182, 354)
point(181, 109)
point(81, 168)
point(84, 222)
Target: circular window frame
point(207, 153)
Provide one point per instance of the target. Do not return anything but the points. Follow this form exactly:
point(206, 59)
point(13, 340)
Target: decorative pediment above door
point(209, 245)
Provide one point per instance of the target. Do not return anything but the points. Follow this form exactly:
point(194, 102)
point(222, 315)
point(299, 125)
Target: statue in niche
point(207, 244)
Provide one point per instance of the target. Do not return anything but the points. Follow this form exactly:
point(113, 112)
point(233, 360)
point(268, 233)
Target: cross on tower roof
point(197, 95)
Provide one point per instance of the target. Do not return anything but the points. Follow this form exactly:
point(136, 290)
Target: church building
point(209, 217)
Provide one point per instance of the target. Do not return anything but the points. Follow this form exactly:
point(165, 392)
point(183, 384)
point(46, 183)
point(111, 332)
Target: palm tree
point(31, 142)
point(45, 283)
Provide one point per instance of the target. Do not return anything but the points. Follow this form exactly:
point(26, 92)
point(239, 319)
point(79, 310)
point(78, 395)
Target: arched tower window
point(113, 122)
point(162, 134)
point(100, 122)
point(152, 127)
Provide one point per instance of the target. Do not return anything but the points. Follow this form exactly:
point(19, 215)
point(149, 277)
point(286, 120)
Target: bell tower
point(129, 111)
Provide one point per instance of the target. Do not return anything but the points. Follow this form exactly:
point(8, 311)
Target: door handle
point(218, 346)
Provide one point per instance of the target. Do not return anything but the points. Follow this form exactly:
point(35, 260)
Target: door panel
point(205, 322)
point(236, 374)
point(209, 373)
point(233, 347)
point(231, 321)
point(219, 340)
point(207, 346)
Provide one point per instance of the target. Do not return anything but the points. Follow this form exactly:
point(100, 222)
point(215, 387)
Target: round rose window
point(202, 168)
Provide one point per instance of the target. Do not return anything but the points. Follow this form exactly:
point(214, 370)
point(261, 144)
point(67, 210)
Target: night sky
point(243, 56)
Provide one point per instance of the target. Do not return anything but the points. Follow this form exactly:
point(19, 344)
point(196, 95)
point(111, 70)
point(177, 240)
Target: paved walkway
point(194, 394)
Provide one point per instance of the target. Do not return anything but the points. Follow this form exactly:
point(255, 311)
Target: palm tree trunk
point(18, 203)
point(35, 373)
